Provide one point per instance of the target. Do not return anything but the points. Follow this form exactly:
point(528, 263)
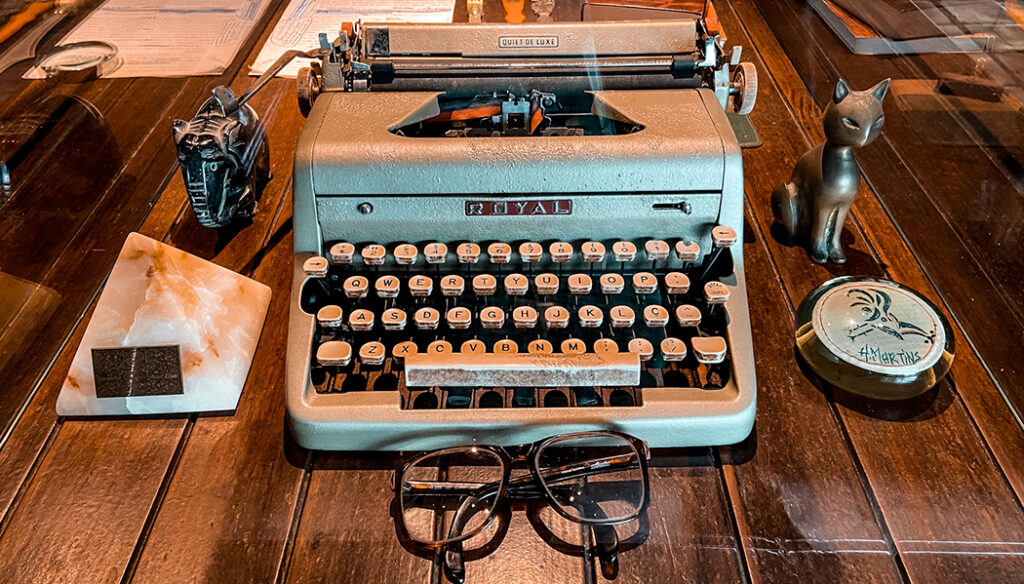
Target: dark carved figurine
point(224, 159)
point(813, 205)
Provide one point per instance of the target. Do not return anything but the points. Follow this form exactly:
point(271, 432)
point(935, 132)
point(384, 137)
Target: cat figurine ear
point(842, 90)
point(880, 90)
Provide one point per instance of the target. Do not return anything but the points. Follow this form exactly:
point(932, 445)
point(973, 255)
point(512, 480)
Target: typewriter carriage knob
point(743, 88)
point(307, 87)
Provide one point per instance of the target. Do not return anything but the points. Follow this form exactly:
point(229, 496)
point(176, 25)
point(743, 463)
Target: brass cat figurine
point(812, 206)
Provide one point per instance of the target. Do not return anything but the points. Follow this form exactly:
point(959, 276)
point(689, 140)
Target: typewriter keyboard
point(527, 324)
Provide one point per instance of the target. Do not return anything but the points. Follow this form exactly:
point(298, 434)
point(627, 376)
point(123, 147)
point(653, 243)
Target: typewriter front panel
point(544, 218)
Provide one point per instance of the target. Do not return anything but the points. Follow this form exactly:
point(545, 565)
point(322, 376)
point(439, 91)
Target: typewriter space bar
point(521, 370)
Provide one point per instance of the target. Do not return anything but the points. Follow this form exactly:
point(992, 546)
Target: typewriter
point(504, 232)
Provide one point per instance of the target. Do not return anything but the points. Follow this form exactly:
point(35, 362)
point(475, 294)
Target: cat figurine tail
point(812, 206)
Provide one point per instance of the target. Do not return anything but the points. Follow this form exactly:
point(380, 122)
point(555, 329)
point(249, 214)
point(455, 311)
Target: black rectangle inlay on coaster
point(137, 371)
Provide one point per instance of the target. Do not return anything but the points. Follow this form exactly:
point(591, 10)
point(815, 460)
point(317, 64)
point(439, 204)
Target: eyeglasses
point(594, 478)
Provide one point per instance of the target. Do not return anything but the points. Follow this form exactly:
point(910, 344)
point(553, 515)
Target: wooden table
point(827, 489)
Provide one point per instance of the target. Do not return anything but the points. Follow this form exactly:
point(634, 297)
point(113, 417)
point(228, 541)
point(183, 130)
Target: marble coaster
point(160, 295)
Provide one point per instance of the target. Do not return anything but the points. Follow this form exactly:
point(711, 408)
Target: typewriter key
point(602, 346)
point(546, 284)
point(387, 286)
point(709, 350)
point(315, 267)
point(687, 315)
point(459, 317)
point(590, 316)
point(540, 347)
point(468, 253)
point(593, 251)
point(426, 318)
point(373, 254)
point(484, 285)
point(506, 346)
point(334, 354)
point(329, 316)
point(530, 251)
point(524, 317)
point(516, 284)
point(453, 285)
point(499, 253)
point(644, 283)
point(473, 346)
point(687, 251)
point(573, 346)
point(641, 347)
point(421, 286)
point(624, 251)
point(341, 253)
point(655, 316)
point(677, 283)
point(612, 283)
point(672, 349)
point(560, 251)
point(492, 317)
point(406, 254)
point(723, 236)
point(393, 319)
point(439, 346)
point(556, 317)
point(356, 286)
point(372, 353)
point(360, 320)
point(436, 253)
point(404, 349)
point(580, 284)
point(716, 292)
point(656, 249)
point(622, 316)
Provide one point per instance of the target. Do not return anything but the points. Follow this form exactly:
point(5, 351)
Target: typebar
point(522, 370)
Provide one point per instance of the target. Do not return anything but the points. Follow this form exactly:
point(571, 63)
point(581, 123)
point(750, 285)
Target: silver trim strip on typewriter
point(673, 171)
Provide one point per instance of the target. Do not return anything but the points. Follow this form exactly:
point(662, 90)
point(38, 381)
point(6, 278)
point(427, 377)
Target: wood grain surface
point(828, 489)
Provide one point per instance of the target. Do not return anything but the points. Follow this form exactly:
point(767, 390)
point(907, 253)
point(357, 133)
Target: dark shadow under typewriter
point(585, 494)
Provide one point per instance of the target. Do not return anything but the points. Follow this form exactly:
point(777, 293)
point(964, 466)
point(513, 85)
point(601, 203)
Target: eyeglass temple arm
point(605, 536)
point(454, 565)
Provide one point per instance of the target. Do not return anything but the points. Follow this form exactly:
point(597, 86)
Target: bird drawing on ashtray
point(874, 305)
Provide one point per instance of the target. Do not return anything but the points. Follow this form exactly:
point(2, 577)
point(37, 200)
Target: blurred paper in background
point(169, 38)
point(304, 20)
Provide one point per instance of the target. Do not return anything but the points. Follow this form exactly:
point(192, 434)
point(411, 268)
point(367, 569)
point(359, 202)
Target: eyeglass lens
point(593, 477)
point(449, 494)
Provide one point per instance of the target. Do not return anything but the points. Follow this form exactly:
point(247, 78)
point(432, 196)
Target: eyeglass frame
point(531, 456)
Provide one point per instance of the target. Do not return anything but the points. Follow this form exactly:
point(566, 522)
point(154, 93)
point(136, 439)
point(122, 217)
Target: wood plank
point(159, 444)
point(69, 523)
point(986, 405)
point(922, 187)
point(802, 495)
point(690, 527)
point(346, 530)
point(931, 473)
point(808, 516)
point(238, 461)
point(228, 511)
point(22, 448)
point(79, 254)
